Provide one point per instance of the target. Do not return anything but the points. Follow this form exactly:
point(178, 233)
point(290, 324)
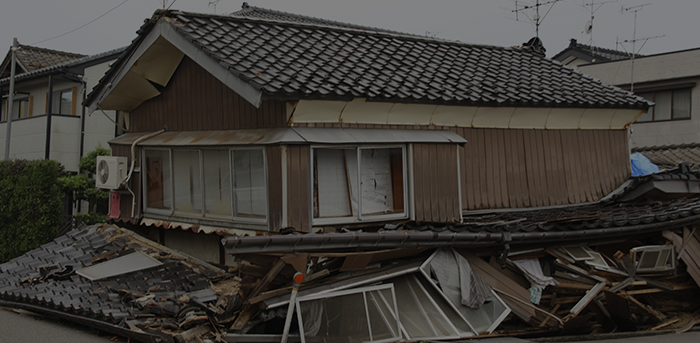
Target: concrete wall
point(657, 71)
point(99, 125)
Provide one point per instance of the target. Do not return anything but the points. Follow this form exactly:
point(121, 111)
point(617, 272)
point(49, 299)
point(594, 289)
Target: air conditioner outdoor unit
point(111, 171)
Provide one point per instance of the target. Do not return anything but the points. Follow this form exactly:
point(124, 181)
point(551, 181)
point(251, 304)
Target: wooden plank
point(559, 169)
point(304, 189)
point(497, 280)
point(466, 169)
point(482, 161)
point(544, 175)
point(571, 167)
point(502, 167)
point(656, 314)
point(531, 168)
point(355, 262)
point(519, 150)
point(293, 201)
point(432, 174)
point(489, 192)
point(585, 164)
point(418, 190)
point(548, 159)
point(584, 301)
point(511, 162)
point(444, 182)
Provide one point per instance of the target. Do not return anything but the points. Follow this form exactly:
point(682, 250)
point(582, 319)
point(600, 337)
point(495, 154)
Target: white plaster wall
point(650, 68)
point(653, 71)
point(65, 141)
point(99, 126)
point(28, 138)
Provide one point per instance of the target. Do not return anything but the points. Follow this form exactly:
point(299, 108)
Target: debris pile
point(111, 279)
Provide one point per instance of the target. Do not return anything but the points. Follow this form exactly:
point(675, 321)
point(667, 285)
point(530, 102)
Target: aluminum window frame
point(671, 118)
point(359, 217)
point(202, 215)
point(363, 291)
point(638, 254)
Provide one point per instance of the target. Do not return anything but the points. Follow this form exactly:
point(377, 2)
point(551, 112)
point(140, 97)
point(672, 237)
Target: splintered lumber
point(665, 324)
point(691, 255)
point(585, 301)
point(497, 280)
point(248, 310)
point(658, 315)
point(554, 310)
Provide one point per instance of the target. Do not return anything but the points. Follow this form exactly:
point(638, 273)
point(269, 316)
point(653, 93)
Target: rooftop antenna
point(634, 9)
point(594, 7)
point(213, 3)
point(535, 19)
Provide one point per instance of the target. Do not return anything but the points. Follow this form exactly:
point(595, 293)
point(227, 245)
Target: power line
point(80, 27)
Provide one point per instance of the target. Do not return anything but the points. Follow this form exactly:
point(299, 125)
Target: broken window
point(357, 315)
point(654, 258)
point(358, 183)
point(210, 183)
point(158, 179)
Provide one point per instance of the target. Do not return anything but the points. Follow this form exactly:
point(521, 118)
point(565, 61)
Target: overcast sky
point(489, 22)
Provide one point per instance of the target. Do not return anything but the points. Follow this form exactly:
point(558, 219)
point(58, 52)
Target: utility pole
point(15, 46)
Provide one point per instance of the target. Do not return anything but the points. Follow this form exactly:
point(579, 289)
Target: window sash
point(670, 105)
point(350, 185)
point(201, 183)
point(62, 101)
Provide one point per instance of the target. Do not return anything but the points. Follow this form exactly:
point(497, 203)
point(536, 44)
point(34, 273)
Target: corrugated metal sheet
point(291, 135)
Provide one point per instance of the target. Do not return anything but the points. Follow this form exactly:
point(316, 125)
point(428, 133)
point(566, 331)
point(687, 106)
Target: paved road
point(27, 328)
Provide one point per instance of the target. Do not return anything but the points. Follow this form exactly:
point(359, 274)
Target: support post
point(11, 100)
point(298, 278)
point(47, 151)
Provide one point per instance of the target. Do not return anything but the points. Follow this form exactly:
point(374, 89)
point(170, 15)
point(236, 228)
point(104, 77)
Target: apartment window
point(358, 183)
point(62, 102)
point(207, 183)
point(670, 105)
point(21, 108)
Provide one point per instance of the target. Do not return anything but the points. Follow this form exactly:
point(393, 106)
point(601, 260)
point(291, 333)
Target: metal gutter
point(422, 239)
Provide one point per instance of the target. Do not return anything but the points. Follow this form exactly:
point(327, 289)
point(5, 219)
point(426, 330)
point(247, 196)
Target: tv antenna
point(634, 40)
point(213, 3)
point(594, 7)
point(535, 19)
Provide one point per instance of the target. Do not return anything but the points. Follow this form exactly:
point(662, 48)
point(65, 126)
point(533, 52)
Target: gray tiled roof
point(33, 58)
point(70, 63)
point(594, 54)
point(44, 280)
point(669, 156)
point(291, 60)
point(264, 13)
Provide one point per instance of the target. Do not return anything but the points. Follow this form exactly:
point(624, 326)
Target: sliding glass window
point(207, 183)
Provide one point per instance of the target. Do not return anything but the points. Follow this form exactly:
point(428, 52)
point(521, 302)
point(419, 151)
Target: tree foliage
point(30, 205)
point(83, 187)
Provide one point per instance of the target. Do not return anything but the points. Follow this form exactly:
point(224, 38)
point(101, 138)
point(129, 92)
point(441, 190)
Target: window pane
point(249, 183)
point(650, 113)
point(20, 108)
point(382, 181)
point(662, 110)
point(335, 175)
point(187, 186)
point(217, 182)
point(158, 179)
point(66, 101)
point(681, 104)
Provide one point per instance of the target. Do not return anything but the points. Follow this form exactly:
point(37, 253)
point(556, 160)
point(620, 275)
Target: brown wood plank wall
point(527, 168)
point(125, 203)
point(195, 100)
point(434, 183)
point(274, 187)
point(298, 188)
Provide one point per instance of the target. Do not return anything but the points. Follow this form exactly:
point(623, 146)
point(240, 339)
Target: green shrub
point(30, 205)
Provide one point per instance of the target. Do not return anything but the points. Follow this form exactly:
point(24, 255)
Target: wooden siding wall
point(435, 179)
point(298, 188)
point(195, 100)
point(135, 182)
point(274, 187)
point(528, 168)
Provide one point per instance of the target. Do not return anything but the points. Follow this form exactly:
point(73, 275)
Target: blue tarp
point(641, 165)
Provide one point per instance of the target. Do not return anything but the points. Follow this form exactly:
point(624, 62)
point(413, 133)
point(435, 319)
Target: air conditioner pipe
point(133, 164)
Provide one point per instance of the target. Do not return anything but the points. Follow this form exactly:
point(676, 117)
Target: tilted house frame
point(274, 121)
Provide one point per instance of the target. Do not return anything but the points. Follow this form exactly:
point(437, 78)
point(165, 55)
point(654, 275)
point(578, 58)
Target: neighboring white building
point(669, 80)
point(62, 131)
